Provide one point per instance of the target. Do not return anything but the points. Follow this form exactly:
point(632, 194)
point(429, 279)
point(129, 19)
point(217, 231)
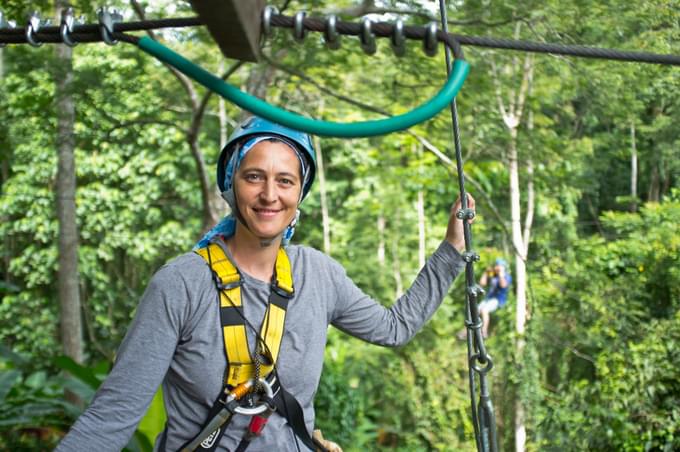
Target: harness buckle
point(221, 286)
point(285, 294)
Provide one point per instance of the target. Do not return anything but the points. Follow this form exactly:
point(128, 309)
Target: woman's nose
point(268, 193)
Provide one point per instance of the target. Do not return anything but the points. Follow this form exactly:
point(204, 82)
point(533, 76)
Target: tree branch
point(143, 121)
point(198, 115)
point(183, 80)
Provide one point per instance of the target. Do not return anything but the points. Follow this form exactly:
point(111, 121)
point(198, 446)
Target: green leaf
point(8, 379)
point(85, 374)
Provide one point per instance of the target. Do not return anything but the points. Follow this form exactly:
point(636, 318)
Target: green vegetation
point(600, 368)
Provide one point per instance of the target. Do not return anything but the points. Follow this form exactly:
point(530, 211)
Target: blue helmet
point(255, 126)
point(501, 262)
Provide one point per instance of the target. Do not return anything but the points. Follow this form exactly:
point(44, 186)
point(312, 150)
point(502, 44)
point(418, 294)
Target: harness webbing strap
point(240, 365)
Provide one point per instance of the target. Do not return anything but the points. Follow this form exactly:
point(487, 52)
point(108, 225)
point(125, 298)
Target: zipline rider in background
point(498, 280)
point(247, 294)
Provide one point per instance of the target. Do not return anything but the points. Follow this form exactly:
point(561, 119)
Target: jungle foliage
point(601, 365)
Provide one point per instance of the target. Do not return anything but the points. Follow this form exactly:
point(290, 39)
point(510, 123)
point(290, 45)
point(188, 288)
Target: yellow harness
point(240, 365)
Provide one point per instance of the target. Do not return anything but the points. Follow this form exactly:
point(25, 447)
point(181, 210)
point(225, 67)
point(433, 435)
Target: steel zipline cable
point(91, 33)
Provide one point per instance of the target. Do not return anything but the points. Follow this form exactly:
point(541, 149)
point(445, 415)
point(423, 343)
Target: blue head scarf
point(227, 226)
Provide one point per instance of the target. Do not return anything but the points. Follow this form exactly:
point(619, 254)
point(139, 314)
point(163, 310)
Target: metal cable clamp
point(107, 20)
point(330, 34)
point(66, 27)
point(430, 44)
point(5, 24)
point(398, 40)
point(367, 37)
point(34, 24)
point(267, 20)
point(299, 31)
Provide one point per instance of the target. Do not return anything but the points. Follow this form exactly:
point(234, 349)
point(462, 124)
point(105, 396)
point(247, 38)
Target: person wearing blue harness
point(498, 280)
point(235, 331)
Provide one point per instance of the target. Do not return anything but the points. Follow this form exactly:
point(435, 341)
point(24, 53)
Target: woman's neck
point(251, 256)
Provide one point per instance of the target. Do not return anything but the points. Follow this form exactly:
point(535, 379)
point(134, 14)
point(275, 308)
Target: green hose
point(313, 126)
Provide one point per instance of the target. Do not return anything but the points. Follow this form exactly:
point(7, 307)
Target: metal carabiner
point(330, 34)
point(267, 20)
point(106, 22)
point(430, 44)
point(398, 41)
point(66, 27)
point(367, 37)
point(299, 31)
point(261, 408)
point(33, 27)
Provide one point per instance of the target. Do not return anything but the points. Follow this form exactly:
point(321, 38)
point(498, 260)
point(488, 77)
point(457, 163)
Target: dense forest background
point(574, 164)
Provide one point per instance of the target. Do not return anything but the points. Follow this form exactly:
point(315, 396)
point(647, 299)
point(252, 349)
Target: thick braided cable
point(91, 33)
point(484, 421)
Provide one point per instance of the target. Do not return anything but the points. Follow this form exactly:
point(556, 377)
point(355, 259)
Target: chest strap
point(240, 364)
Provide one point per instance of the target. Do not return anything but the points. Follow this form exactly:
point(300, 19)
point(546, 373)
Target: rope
point(483, 417)
point(91, 33)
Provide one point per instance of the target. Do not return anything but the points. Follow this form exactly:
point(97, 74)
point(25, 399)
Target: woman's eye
point(252, 177)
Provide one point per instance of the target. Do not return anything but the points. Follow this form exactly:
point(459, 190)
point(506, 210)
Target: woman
point(184, 327)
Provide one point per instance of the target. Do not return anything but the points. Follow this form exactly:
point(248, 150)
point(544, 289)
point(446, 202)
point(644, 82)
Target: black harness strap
point(290, 408)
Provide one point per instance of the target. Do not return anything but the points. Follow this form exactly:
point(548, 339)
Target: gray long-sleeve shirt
point(175, 340)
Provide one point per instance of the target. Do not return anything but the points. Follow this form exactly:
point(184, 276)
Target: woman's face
point(267, 187)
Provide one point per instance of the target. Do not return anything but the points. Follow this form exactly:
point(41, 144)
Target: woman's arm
point(359, 315)
point(141, 364)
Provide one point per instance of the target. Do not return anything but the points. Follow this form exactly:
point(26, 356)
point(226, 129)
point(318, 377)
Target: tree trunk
point(512, 118)
point(325, 218)
point(381, 239)
point(210, 216)
point(520, 277)
point(71, 329)
point(633, 168)
point(654, 183)
point(4, 174)
point(222, 112)
point(420, 208)
point(396, 269)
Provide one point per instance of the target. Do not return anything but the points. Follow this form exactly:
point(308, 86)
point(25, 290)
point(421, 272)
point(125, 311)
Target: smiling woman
point(265, 305)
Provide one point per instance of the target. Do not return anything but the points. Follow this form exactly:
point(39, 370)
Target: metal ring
point(267, 20)
point(430, 44)
point(330, 34)
point(66, 27)
point(269, 392)
point(477, 358)
point(367, 37)
point(33, 27)
point(299, 31)
point(106, 22)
